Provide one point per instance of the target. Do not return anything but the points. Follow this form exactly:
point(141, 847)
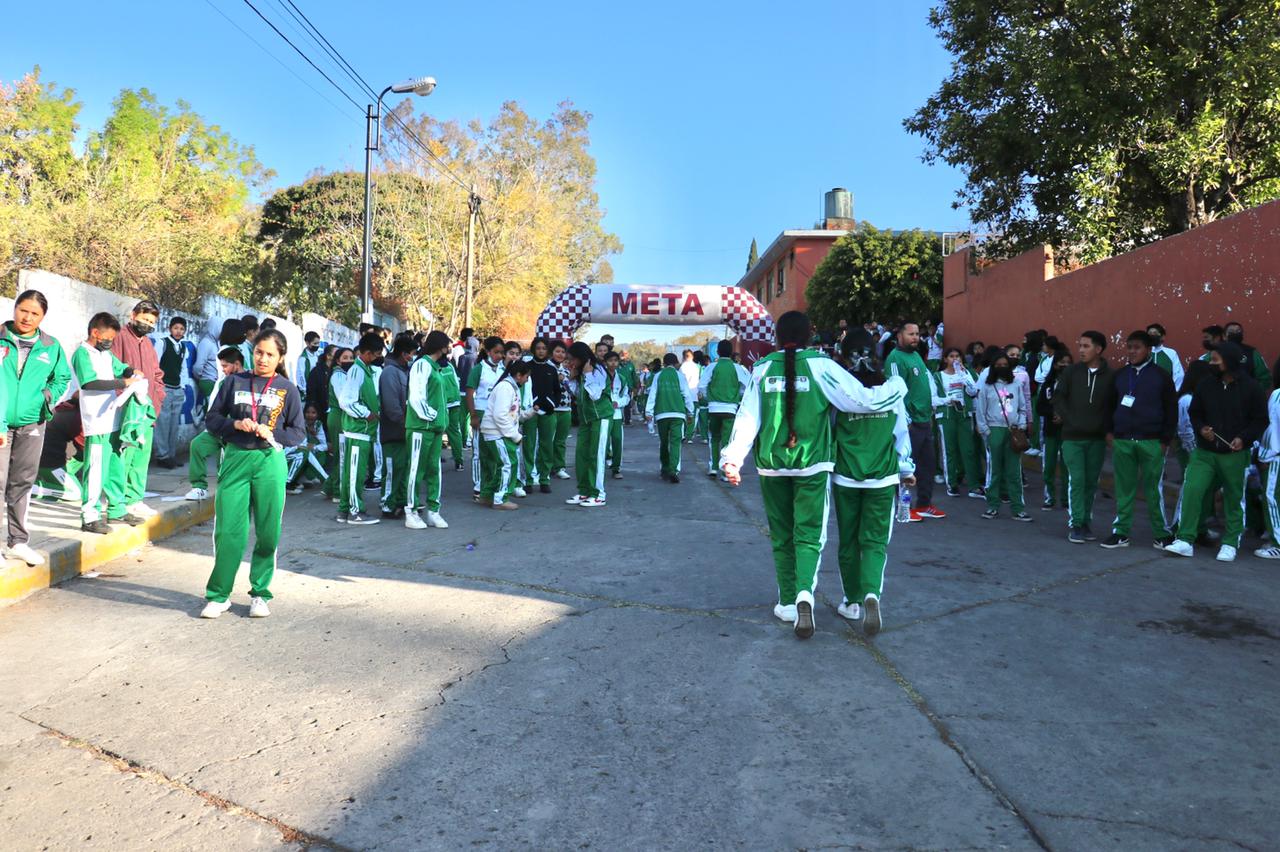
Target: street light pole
point(421, 86)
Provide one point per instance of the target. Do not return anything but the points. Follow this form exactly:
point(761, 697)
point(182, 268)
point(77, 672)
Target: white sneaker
point(1272, 552)
point(591, 502)
point(434, 520)
point(871, 622)
point(1179, 548)
point(213, 609)
point(26, 554)
point(851, 611)
point(197, 494)
point(258, 608)
point(562, 474)
point(142, 510)
point(1033, 453)
point(1226, 553)
point(519, 492)
point(297, 489)
point(413, 522)
point(785, 613)
point(575, 500)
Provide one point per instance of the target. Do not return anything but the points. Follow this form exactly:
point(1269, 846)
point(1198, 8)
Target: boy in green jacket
point(670, 405)
point(360, 404)
point(426, 421)
point(721, 388)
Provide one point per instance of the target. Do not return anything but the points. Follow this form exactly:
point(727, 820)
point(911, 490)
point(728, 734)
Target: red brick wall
point(1228, 270)
point(809, 253)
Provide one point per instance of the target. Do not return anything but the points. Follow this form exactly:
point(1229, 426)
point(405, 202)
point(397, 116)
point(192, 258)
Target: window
point(782, 269)
point(768, 287)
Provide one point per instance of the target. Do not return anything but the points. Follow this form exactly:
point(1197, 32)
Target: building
point(781, 276)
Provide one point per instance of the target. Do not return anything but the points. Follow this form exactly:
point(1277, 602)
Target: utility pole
point(473, 207)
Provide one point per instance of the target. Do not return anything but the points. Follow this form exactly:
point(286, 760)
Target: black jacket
point(545, 381)
point(1154, 413)
point(1233, 409)
point(318, 388)
point(1080, 400)
point(279, 406)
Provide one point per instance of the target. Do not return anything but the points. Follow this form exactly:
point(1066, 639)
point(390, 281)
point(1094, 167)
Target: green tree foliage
point(1101, 126)
point(871, 274)
point(753, 257)
point(156, 203)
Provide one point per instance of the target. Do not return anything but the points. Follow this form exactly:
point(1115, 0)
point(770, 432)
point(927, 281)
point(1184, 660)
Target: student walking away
point(258, 415)
point(1141, 421)
point(134, 347)
point(1080, 408)
point(105, 383)
point(544, 391)
point(360, 406)
point(1052, 469)
point(171, 354)
point(563, 411)
point(621, 395)
point(873, 459)
point(1229, 412)
point(1165, 358)
point(393, 395)
point(721, 388)
point(589, 382)
point(342, 361)
point(500, 437)
point(307, 461)
point(432, 385)
point(692, 374)
point(670, 407)
point(206, 443)
point(1269, 470)
point(204, 369)
point(1000, 409)
point(959, 451)
point(33, 376)
point(483, 376)
point(307, 360)
point(785, 417)
point(905, 363)
point(1197, 372)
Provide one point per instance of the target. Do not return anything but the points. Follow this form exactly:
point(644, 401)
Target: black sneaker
point(341, 518)
point(804, 620)
point(1089, 534)
point(979, 492)
point(1076, 535)
point(99, 526)
point(675, 479)
point(1022, 516)
point(1006, 500)
point(1162, 543)
point(362, 520)
point(1115, 541)
point(395, 514)
point(457, 465)
point(544, 488)
point(1047, 506)
point(990, 513)
point(1206, 540)
point(953, 492)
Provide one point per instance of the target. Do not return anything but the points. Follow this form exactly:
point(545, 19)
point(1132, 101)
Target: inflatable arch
point(677, 304)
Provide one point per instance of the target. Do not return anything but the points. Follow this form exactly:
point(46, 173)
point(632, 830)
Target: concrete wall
point(1228, 270)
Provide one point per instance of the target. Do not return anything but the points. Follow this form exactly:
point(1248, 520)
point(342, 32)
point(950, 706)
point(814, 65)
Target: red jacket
point(140, 354)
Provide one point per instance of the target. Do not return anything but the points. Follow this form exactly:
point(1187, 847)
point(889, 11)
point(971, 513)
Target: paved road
point(614, 679)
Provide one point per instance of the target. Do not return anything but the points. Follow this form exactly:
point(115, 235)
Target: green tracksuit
point(100, 417)
point(1207, 471)
point(357, 399)
point(539, 447)
point(595, 408)
point(1139, 464)
point(137, 426)
point(669, 406)
point(725, 384)
point(250, 488)
point(794, 480)
point(959, 451)
point(426, 418)
point(873, 453)
point(337, 441)
point(498, 461)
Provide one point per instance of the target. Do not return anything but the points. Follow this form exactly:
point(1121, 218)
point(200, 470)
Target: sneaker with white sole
point(24, 552)
point(413, 522)
point(1272, 552)
point(295, 490)
point(591, 502)
point(851, 611)
point(213, 609)
point(362, 520)
point(1226, 553)
point(785, 613)
point(562, 474)
point(436, 522)
point(197, 494)
point(141, 509)
point(1178, 547)
point(258, 608)
point(575, 500)
point(805, 624)
point(871, 622)
point(519, 492)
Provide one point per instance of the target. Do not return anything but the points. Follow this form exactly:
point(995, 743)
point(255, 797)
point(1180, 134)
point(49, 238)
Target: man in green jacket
point(905, 362)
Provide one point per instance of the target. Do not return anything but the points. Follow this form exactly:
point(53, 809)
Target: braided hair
point(792, 330)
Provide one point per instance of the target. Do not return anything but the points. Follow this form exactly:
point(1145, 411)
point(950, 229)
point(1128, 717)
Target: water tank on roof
point(838, 204)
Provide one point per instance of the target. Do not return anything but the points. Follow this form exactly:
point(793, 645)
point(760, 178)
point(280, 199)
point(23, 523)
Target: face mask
point(104, 345)
point(1235, 336)
point(315, 347)
point(1218, 372)
point(141, 328)
point(1004, 374)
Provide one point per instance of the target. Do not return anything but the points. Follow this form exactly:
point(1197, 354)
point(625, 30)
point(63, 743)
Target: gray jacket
point(990, 411)
point(393, 393)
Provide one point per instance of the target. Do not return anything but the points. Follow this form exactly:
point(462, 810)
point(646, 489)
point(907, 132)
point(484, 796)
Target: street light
point(421, 86)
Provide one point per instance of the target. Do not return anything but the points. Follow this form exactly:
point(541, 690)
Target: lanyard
point(253, 397)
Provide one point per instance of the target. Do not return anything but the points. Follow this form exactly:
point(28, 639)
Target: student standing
point(590, 384)
point(432, 381)
point(204, 369)
point(206, 443)
point(1141, 421)
point(670, 407)
point(1269, 469)
point(721, 388)
point(342, 361)
point(171, 354)
point(1254, 364)
point(393, 396)
point(134, 347)
point(1051, 468)
point(1001, 407)
point(1080, 407)
point(785, 417)
point(1197, 372)
point(500, 437)
point(1228, 414)
point(257, 414)
point(359, 403)
point(630, 381)
point(1165, 358)
point(308, 460)
point(33, 376)
point(543, 390)
point(563, 410)
point(457, 428)
point(905, 362)
point(307, 360)
point(959, 452)
point(484, 375)
point(621, 394)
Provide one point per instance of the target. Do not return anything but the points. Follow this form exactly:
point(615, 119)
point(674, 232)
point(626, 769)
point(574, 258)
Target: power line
point(333, 51)
point(301, 53)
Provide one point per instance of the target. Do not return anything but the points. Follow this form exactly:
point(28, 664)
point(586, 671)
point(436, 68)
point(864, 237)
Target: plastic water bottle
point(904, 505)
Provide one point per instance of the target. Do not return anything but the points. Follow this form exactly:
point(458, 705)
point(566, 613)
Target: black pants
point(925, 455)
point(19, 464)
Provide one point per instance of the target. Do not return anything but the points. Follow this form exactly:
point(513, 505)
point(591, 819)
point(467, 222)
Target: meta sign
point(638, 303)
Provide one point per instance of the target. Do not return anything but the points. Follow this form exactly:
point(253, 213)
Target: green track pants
point(1139, 464)
point(1004, 471)
point(250, 487)
point(1269, 473)
point(564, 423)
point(670, 436)
point(864, 517)
point(958, 450)
point(102, 479)
point(1206, 503)
point(202, 446)
point(455, 431)
point(700, 420)
point(588, 460)
point(337, 452)
point(798, 508)
point(1206, 472)
point(395, 475)
point(615, 444)
point(538, 448)
point(499, 466)
point(1083, 461)
point(422, 469)
point(136, 461)
point(357, 455)
point(720, 426)
point(1054, 471)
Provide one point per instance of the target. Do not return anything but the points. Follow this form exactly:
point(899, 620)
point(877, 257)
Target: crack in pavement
point(1151, 827)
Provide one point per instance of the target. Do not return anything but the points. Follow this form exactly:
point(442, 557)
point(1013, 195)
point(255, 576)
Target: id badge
point(1127, 400)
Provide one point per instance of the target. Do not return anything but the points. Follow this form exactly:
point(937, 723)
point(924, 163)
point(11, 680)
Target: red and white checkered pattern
point(566, 313)
point(744, 312)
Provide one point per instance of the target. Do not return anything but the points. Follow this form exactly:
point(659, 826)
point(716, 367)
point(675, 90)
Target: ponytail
point(789, 365)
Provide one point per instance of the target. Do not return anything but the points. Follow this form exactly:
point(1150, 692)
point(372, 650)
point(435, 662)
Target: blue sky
point(714, 122)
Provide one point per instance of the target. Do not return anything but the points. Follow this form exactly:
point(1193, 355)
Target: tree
point(1102, 126)
point(754, 256)
point(871, 274)
point(695, 339)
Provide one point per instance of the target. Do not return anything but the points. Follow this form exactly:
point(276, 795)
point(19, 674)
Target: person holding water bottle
point(873, 459)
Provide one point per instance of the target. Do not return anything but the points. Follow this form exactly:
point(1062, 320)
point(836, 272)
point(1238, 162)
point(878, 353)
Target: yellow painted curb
point(71, 557)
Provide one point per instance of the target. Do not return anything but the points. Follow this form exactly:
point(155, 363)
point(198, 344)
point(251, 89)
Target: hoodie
point(1079, 401)
point(467, 360)
point(503, 415)
point(205, 368)
point(1235, 409)
point(393, 394)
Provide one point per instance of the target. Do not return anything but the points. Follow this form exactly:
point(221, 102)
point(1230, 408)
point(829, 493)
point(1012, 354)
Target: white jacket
point(502, 414)
point(1269, 446)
